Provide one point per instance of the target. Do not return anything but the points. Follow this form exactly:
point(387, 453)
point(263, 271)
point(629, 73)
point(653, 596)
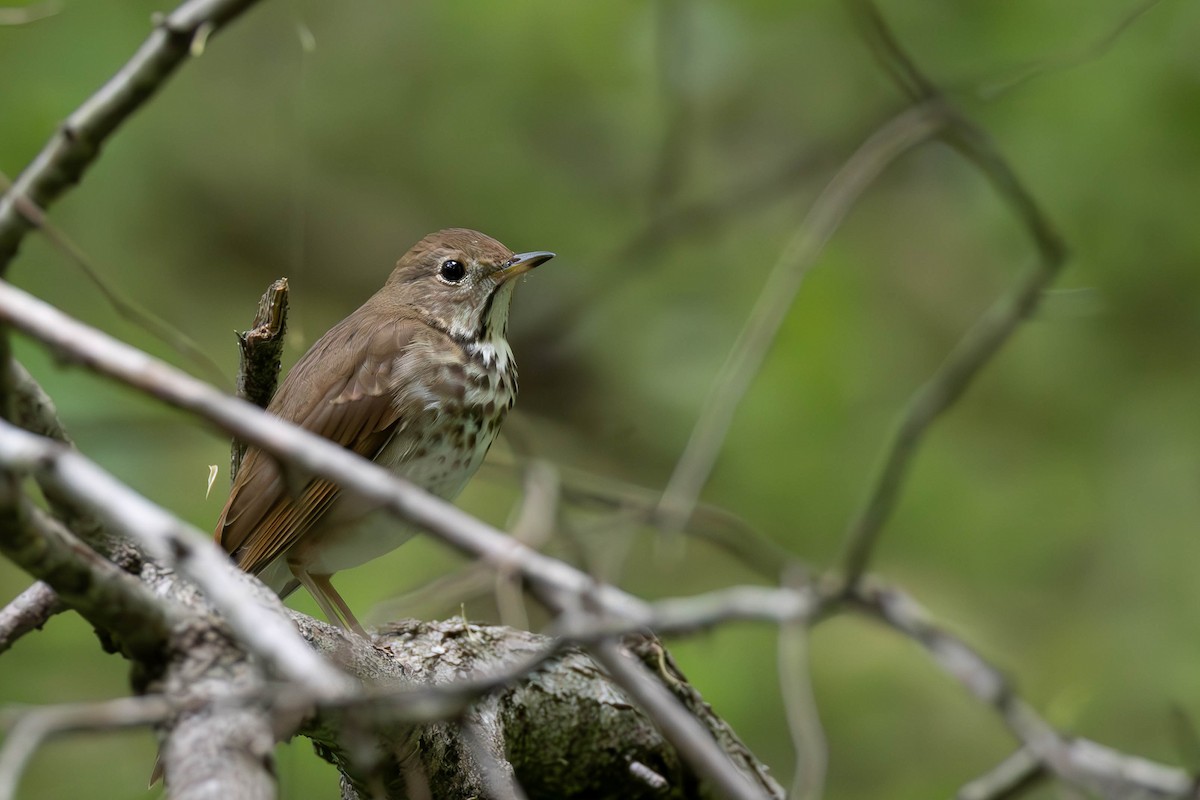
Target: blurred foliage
point(1051, 516)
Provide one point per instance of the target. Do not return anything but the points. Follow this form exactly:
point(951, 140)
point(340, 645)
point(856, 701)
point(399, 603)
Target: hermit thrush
point(418, 379)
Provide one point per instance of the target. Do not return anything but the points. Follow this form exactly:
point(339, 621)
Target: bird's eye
point(452, 271)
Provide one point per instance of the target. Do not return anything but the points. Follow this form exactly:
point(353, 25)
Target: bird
point(418, 379)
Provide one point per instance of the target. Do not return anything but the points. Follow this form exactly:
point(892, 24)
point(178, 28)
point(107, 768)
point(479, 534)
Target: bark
point(564, 730)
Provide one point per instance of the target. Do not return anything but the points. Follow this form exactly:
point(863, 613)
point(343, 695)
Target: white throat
point(491, 348)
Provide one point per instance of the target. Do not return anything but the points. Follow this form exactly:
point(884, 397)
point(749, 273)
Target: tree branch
point(1080, 762)
point(803, 717)
point(989, 334)
point(1008, 779)
point(252, 612)
point(104, 594)
point(222, 743)
point(34, 411)
point(567, 728)
point(898, 136)
point(30, 13)
point(69, 152)
point(32, 727)
point(28, 611)
point(685, 732)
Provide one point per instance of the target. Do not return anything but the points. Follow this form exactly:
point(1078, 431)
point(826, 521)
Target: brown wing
point(340, 389)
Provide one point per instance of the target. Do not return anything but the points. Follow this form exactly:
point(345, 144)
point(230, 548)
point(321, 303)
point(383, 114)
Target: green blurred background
point(1051, 516)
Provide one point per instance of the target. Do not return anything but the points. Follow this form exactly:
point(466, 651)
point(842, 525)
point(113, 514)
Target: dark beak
point(523, 262)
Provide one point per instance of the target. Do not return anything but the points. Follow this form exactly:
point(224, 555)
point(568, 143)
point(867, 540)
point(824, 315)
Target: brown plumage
point(418, 379)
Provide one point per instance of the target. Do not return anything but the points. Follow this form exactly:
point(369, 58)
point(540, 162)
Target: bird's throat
point(493, 321)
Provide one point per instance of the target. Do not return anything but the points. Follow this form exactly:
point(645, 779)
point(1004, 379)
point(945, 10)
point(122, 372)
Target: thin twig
point(64, 158)
point(34, 726)
point(1064, 61)
point(536, 523)
point(1080, 762)
point(76, 145)
point(978, 346)
point(125, 308)
point(947, 385)
point(903, 132)
point(633, 503)
point(1011, 778)
point(803, 717)
point(744, 196)
point(534, 526)
point(102, 592)
point(686, 615)
point(30, 13)
point(28, 611)
point(718, 526)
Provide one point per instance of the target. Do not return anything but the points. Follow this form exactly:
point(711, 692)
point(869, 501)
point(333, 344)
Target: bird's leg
point(328, 599)
point(325, 586)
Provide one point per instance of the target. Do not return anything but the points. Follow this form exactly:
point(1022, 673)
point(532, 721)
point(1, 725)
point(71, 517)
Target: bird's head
point(460, 281)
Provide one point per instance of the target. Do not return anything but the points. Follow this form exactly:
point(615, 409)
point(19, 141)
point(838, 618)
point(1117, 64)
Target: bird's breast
point(441, 449)
point(438, 448)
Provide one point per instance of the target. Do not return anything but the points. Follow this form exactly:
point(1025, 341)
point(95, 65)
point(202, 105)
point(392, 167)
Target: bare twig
point(991, 332)
point(28, 611)
point(682, 615)
point(1011, 778)
point(104, 594)
point(259, 352)
point(961, 133)
point(713, 524)
point(34, 726)
point(33, 409)
point(746, 602)
point(1079, 762)
point(124, 307)
point(1064, 61)
point(63, 160)
point(903, 132)
point(967, 359)
point(803, 716)
point(30, 13)
point(538, 516)
point(534, 526)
